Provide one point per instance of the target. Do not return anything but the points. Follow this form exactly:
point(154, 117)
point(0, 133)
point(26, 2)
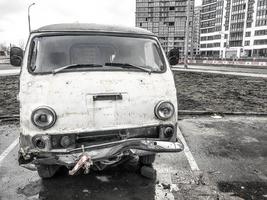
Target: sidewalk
point(261, 73)
point(229, 63)
point(8, 72)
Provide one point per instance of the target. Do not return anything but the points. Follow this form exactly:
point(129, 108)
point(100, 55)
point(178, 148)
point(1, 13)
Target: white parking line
point(187, 152)
point(8, 150)
point(164, 174)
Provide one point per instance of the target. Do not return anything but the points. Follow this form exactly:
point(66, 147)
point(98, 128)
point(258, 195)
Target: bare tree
point(21, 44)
point(3, 47)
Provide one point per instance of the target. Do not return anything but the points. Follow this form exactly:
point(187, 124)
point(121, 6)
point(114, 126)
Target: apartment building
point(211, 28)
point(233, 28)
point(196, 31)
point(167, 19)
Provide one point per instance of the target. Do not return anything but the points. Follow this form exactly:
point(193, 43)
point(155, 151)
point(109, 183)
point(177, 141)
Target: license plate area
point(104, 109)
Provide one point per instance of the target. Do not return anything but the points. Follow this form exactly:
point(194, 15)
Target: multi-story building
point(211, 27)
point(233, 28)
point(167, 19)
point(258, 39)
point(196, 31)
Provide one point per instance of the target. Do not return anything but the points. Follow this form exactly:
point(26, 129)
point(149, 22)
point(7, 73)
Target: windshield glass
point(52, 52)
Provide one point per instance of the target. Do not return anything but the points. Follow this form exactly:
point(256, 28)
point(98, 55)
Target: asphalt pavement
point(232, 151)
point(224, 158)
point(117, 183)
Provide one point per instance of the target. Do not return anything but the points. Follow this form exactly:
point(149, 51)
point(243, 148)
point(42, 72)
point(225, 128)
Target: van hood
point(91, 101)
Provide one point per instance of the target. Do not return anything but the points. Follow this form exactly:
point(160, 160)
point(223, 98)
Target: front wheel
point(47, 171)
point(147, 160)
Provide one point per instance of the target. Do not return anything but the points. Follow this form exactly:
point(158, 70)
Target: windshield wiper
point(75, 65)
point(127, 65)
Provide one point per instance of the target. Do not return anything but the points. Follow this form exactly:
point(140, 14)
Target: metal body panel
point(71, 95)
point(90, 27)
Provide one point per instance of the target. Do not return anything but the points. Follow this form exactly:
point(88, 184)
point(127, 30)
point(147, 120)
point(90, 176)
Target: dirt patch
point(9, 87)
point(220, 93)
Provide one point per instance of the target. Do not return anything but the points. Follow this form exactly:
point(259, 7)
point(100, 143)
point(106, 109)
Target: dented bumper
point(69, 157)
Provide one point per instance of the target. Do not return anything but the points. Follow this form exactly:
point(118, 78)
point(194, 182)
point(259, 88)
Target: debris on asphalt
point(214, 172)
point(174, 188)
point(166, 186)
point(103, 178)
point(30, 190)
point(201, 178)
point(85, 191)
point(215, 116)
point(34, 197)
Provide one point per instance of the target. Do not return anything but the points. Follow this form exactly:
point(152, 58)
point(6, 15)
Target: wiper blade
point(127, 65)
point(75, 65)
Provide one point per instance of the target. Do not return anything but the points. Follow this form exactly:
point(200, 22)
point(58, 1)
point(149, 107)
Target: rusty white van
point(91, 95)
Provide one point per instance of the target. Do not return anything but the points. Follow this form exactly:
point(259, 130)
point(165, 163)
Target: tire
point(131, 163)
point(147, 160)
point(47, 171)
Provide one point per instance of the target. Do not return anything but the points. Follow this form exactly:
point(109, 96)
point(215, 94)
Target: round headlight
point(164, 110)
point(44, 117)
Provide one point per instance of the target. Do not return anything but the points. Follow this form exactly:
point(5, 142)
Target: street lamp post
point(29, 17)
point(187, 34)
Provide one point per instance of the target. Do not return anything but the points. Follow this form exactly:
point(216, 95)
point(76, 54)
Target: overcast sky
point(13, 15)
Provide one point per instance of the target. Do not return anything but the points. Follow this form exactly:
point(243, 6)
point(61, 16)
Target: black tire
point(147, 160)
point(47, 171)
point(131, 163)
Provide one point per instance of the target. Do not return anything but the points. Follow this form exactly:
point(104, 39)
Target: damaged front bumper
point(69, 157)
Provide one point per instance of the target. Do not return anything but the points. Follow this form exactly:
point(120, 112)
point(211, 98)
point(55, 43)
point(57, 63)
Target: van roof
point(80, 27)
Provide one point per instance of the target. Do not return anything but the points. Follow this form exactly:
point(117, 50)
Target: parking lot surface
point(230, 153)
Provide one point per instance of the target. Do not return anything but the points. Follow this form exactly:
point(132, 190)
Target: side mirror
point(173, 60)
point(173, 56)
point(16, 56)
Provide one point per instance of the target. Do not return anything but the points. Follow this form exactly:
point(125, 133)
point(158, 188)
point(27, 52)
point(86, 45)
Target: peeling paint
point(74, 105)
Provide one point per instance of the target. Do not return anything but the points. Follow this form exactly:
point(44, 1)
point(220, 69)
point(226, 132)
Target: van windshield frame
point(149, 41)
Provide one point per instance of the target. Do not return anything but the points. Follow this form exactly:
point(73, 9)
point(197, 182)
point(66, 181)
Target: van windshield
point(85, 52)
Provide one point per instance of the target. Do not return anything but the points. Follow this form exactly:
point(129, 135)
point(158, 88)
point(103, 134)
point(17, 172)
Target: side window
point(152, 56)
point(33, 55)
point(157, 57)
